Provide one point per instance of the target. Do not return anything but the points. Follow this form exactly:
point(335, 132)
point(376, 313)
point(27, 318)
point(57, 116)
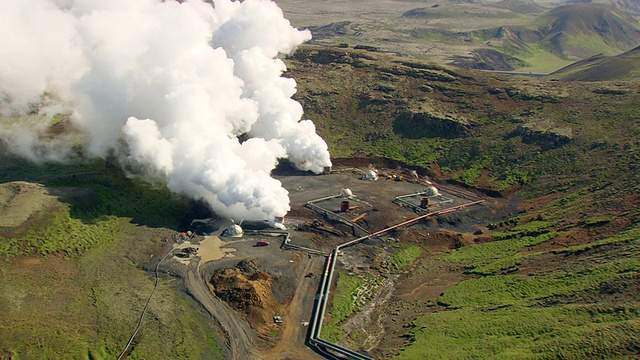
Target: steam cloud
point(167, 86)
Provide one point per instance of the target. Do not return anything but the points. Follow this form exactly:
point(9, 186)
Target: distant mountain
point(521, 6)
point(569, 32)
point(512, 39)
point(631, 7)
point(600, 68)
point(582, 30)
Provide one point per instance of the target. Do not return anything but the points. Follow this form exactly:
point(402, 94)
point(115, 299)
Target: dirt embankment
point(248, 291)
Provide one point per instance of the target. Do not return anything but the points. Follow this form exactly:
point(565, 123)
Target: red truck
point(262, 243)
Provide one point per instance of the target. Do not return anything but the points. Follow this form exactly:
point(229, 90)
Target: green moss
point(62, 233)
point(406, 256)
point(470, 176)
point(342, 305)
point(97, 208)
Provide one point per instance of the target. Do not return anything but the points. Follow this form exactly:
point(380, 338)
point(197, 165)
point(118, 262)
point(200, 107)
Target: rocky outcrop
point(418, 73)
point(327, 55)
point(431, 125)
point(545, 134)
point(488, 59)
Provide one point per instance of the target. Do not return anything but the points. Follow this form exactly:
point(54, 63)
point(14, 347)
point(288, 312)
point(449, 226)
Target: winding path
point(241, 338)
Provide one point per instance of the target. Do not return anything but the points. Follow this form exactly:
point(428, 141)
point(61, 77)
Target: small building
point(346, 193)
point(431, 191)
point(371, 175)
point(234, 230)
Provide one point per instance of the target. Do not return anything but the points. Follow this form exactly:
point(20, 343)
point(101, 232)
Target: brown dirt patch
point(28, 261)
point(249, 292)
point(416, 293)
point(428, 279)
point(31, 289)
point(444, 240)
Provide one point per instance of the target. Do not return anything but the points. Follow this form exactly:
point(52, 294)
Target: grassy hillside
point(487, 131)
point(73, 241)
point(559, 278)
point(490, 132)
point(583, 30)
point(625, 66)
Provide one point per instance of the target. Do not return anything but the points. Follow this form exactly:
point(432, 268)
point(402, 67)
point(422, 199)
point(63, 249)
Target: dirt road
point(294, 330)
point(242, 339)
point(240, 336)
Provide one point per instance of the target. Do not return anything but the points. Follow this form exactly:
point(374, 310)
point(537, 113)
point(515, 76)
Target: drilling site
point(270, 288)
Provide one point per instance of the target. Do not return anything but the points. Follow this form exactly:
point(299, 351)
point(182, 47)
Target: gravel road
point(240, 336)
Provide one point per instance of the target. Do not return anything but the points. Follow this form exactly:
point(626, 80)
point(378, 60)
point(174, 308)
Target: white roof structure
point(371, 175)
point(431, 191)
point(233, 231)
point(346, 193)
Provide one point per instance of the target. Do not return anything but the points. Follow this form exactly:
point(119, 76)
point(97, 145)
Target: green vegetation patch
point(342, 305)
point(62, 233)
point(630, 236)
point(405, 256)
point(492, 257)
point(508, 290)
point(563, 313)
point(532, 228)
point(567, 332)
point(94, 207)
point(86, 307)
point(596, 221)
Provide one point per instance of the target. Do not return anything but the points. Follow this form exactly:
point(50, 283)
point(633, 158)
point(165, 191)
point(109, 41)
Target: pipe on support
point(325, 284)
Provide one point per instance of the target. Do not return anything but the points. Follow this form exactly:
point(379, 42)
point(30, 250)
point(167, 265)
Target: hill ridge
point(578, 31)
point(601, 68)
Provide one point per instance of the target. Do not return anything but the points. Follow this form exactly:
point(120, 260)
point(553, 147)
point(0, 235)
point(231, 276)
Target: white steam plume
point(169, 86)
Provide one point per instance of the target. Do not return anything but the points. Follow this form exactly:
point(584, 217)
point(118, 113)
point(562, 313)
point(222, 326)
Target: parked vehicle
point(262, 243)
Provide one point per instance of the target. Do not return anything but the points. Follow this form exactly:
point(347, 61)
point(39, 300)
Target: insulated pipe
point(324, 198)
point(316, 315)
point(325, 285)
point(328, 278)
point(342, 350)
